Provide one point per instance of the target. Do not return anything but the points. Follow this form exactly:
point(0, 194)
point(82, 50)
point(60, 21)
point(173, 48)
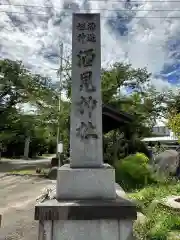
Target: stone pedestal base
point(86, 219)
point(85, 183)
point(86, 230)
point(88, 205)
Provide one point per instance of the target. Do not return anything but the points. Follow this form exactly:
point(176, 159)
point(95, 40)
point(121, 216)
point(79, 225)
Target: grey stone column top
point(120, 208)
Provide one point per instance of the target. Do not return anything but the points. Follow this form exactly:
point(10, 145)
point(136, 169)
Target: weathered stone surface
point(86, 183)
point(167, 162)
point(91, 230)
point(45, 230)
point(52, 174)
point(85, 210)
point(86, 106)
point(79, 230)
point(54, 162)
point(172, 202)
point(119, 208)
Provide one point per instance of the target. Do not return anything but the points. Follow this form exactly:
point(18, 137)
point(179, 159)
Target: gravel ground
point(17, 200)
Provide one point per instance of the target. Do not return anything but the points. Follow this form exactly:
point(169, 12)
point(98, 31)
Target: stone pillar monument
point(86, 111)
point(87, 204)
point(87, 176)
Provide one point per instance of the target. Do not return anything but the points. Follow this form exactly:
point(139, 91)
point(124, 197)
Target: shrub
point(134, 171)
point(159, 221)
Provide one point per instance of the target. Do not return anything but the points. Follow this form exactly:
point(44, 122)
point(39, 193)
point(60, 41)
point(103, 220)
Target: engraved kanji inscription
point(86, 82)
point(85, 131)
point(81, 26)
point(88, 102)
point(91, 37)
point(83, 38)
point(90, 26)
point(86, 58)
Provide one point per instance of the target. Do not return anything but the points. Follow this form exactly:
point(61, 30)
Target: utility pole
point(58, 155)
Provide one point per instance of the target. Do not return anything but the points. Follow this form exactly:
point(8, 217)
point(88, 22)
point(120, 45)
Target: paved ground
point(17, 200)
point(11, 165)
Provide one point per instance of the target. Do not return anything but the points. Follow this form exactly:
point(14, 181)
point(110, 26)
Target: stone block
point(52, 174)
point(93, 230)
point(85, 183)
point(90, 230)
point(87, 219)
point(52, 210)
point(86, 105)
point(167, 162)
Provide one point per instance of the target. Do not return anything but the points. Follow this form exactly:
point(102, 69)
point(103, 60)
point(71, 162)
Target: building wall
point(161, 131)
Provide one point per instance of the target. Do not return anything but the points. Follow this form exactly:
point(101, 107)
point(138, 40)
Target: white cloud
point(162, 85)
point(145, 45)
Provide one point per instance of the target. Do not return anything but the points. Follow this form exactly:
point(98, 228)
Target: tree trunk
point(115, 146)
point(26, 147)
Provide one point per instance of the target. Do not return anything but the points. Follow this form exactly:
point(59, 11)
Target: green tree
point(142, 101)
point(174, 124)
point(173, 113)
point(174, 103)
point(19, 86)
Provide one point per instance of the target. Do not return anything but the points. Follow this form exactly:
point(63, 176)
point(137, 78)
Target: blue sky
point(137, 34)
point(120, 24)
point(171, 71)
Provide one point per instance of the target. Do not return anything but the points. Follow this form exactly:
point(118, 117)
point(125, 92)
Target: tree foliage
point(19, 86)
point(129, 90)
point(173, 115)
point(174, 124)
point(174, 103)
point(140, 99)
point(123, 87)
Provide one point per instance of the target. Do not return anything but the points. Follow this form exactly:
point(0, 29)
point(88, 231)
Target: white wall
point(161, 130)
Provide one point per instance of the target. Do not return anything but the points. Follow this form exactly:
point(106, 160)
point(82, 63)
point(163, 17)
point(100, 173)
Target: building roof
point(113, 119)
point(161, 139)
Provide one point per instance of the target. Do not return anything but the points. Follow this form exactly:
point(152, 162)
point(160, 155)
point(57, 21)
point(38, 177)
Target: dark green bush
point(134, 171)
